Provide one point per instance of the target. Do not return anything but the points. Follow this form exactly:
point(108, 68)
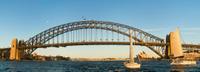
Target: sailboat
point(131, 64)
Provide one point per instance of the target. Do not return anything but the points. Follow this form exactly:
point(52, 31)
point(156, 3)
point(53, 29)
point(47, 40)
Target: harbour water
point(89, 66)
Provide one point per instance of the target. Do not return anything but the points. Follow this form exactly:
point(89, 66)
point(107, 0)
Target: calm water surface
point(97, 66)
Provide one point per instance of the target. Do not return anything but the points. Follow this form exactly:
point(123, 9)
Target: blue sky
point(25, 18)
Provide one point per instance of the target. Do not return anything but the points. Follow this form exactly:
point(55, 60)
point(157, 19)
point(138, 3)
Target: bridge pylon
point(14, 51)
point(174, 49)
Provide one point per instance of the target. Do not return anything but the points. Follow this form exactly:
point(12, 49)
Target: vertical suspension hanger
point(48, 39)
point(91, 34)
point(71, 36)
point(118, 33)
point(85, 34)
point(81, 35)
point(58, 35)
point(112, 34)
point(67, 36)
point(124, 38)
point(134, 37)
point(57, 39)
point(63, 38)
point(53, 37)
point(101, 35)
point(107, 35)
point(95, 38)
point(77, 37)
point(74, 33)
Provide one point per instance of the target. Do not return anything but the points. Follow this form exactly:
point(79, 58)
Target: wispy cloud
point(191, 29)
point(2, 36)
point(155, 29)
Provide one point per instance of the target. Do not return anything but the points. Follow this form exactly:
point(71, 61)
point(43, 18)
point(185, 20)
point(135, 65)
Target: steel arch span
point(139, 35)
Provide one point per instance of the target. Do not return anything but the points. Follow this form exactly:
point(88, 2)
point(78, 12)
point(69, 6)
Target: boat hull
point(132, 65)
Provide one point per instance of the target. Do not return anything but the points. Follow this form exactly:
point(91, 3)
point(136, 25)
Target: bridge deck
point(102, 43)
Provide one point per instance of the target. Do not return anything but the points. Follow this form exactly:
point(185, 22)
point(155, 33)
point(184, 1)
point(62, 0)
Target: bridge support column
point(2, 55)
point(14, 51)
point(168, 50)
point(175, 47)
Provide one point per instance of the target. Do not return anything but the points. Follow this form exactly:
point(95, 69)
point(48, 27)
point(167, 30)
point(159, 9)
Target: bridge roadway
point(185, 46)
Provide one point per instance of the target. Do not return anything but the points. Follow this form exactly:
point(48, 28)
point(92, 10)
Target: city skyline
point(24, 19)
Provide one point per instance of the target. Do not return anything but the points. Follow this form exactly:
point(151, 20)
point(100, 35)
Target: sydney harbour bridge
point(89, 32)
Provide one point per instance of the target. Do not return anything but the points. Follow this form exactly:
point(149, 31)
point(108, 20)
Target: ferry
point(184, 63)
